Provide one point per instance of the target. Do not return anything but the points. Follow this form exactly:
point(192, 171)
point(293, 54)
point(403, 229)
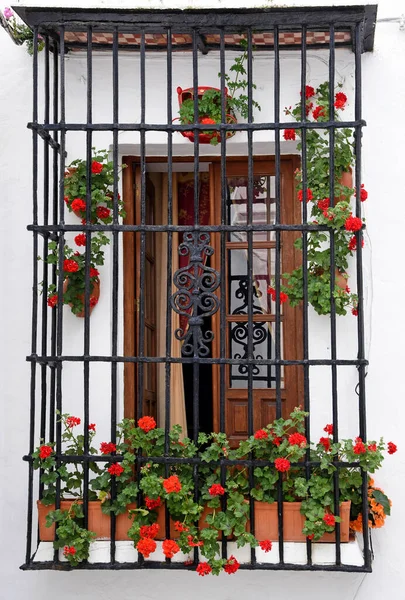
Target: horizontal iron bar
point(198, 360)
point(148, 564)
point(167, 127)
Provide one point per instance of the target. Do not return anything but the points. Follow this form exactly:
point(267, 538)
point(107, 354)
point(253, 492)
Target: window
point(204, 343)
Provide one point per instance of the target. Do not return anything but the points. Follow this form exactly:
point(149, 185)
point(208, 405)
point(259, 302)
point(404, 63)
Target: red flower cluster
point(216, 490)
point(272, 292)
point(92, 427)
point(309, 91)
point(203, 569)
point(115, 469)
point(107, 447)
point(149, 531)
point(363, 193)
point(328, 429)
point(146, 423)
point(261, 434)
point(70, 266)
point(193, 544)
point(69, 550)
point(94, 272)
point(297, 439)
point(72, 421)
point(289, 134)
point(329, 519)
point(53, 300)
point(309, 195)
point(340, 100)
point(372, 447)
point(353, 223)
point(325, 443)
point(359, 447)
point(172, 484)
point(80, 240)
point(277, 441)
point(180, 527)
point(391, 447)
point(45, 451)
point(102, 212)
point(170, 548)
point(78, 205)
point(146, 546)
point(323, 204)
point(152, 503)
point(352, 244)
point(231, 565)
point(355, 312)
point(96, 167)
point(282, 464)
point(318, 111)
point(266, 545)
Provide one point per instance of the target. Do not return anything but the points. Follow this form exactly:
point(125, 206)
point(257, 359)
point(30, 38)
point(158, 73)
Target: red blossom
point(115, 469)
point(329, 519)
point(372, 447)
point(289, 134)
point(192, 543)
point(53, 300)
point(203, 569)
point(352, 244)
point(102, 212)
point(363, 193)
point(146, 546)
point(231, 565)
point(69, 550)
point(353, 223)
point(282, 464)
point(45, 452)
point(216, 490)
point(170, 548)
point(391, 447)
point(355, 312)
point(94, 272)
point(297, 439)
point(340, 100)
point(272, 292)
point(96, 167)
point(72, 421)
point(149, 531)
point(323, 204)
point(261, 434)
point(80, 240)
point(359, 447)
point(329, 429)
point(309, 195)
point(93, 301)
point(70, 266)
point(78, 205)
point(266, 545)
point(146, 424)
point(325, 443)
point(277, 441)
point(172, 484)
point(152, 503)
point(180, 527)
point(347, 289)
point(311, 537)
point(92, 427)
point(318, 111)
point(107, 447)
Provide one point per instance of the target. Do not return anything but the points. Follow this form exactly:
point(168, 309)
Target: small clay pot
point(94, 293)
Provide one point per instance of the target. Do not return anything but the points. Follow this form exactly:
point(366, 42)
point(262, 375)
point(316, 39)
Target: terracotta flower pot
point(346, 180)
point(94, 293)
point(341, 279)
point(266, 522)
point(47, 534)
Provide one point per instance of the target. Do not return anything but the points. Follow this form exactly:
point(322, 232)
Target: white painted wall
point(383, 100)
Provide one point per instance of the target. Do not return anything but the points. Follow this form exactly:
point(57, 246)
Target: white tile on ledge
point(294, 553)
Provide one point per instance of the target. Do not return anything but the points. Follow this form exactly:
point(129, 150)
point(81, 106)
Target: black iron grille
point(47, 358)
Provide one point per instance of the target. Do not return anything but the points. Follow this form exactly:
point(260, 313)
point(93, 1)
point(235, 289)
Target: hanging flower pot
point(79, 298)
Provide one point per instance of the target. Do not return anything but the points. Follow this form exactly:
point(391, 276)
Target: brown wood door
point(236, 284)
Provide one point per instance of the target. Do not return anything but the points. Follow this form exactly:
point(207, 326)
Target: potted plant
point(210, 104)
point(19, 31)
point(337, 216)
point(221, 506)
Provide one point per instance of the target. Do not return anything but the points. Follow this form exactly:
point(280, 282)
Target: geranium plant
point(20, 32)
point(336, 215)
point(220, 505)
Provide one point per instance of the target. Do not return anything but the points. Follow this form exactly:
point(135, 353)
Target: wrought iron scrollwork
point(239, 335)
point(195, 299)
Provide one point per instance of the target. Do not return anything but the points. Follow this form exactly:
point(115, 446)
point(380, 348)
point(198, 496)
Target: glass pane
point(264, 376)
point(264, 206)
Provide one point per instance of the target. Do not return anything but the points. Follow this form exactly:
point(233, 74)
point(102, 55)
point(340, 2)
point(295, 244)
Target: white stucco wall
point(383, 100)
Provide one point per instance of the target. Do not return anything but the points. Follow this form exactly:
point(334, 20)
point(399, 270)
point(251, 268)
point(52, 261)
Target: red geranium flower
point(261, 434)
point(94, 272)
point(69, 550)
point(297, 439)
point(78, 205)
point(96, 167)
point(70, 266)
point(72, 421)
point(355, 312)
point(146, 546)
point(277, 441)
point(180, 527)
point(340, 100)
point(193, 544)
point(309, 91)
point(152, 503)
point(359, 447)
point(107, 447)
point(325, 443)
point(266, 545)
point(92, 427)
point(289, 134)
point(115, 469)
point(372, 447)
point(102, 212)
point(329, 519)
point(53, 300)
point(93, 301)
point(311, 537)
point(282, 464)
point(170, 548)
point(328, 429)
point(272, 292)
point(216, 490)
point(146, 424)
point(352, 243)
point(45, 451)
point(323, 204)
point(172, 484)
point(80, 240)
point(391, 447)
point(318, 111)
point(309, 195)
point(353, 223)
point(231, 565)
point(149, 531)
point(203, 569)
point(363, 193)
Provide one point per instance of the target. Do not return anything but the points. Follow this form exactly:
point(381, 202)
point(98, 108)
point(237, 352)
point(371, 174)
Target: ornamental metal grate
point(196, 292)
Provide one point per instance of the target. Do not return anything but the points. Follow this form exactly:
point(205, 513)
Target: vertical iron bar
point(277, 276)
point(34, 330)
point(335, 411)
point(360, 293)
point(305, 262)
